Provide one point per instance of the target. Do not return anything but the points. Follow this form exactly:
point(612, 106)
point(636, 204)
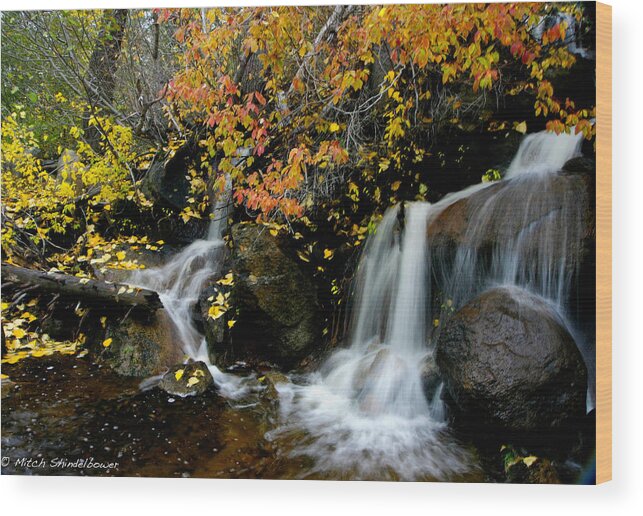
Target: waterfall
point(544, 152)
point(536, 225)
point(180, 281)
point(366, 410)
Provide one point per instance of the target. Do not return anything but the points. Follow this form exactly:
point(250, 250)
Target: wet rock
point(431, 378)
point(367, 380)
point(271, 380)
point(7, 387)
point(189, 379)
point(551, 229)
point(532, 470)
point(580, 165)
point(371, 367)
point(458, 224)
point(274, 299)
point(216, 331)
point(512, 371)
point(139, 347)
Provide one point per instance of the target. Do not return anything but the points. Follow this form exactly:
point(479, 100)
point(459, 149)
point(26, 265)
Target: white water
point(365, 411)
point(179, 283)
point(572, 33)
point(541, 153)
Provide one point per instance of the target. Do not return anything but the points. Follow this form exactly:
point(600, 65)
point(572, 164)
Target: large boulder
point(139, 346)
point(512, 371)
point(274, 299)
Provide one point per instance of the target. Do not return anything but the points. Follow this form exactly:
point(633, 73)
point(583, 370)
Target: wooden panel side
point(603, 243)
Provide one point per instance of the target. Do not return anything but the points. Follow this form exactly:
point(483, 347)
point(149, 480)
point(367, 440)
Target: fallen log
point(94, 293)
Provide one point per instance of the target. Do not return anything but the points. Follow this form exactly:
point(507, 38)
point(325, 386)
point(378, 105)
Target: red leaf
point(260, 98)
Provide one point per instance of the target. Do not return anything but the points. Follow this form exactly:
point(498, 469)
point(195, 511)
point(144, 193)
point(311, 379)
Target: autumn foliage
point(293, 102)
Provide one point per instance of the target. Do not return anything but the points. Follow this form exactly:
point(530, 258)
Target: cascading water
point(179, 283)
point(366, 410)
point(526, 234)
point(544, 152)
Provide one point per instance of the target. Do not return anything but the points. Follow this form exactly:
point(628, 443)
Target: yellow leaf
point(227, 280)
point(328, 254)
point(302, 256)
point(382, 12)
point(179, 374)
point(120, 255)
point(107, 343)
point(193, 381)
point(216, 311)
point(334, 127)
point(521, 127)
point(19, 333)
point(231, 323)
point(530, 460)
point(395, 186)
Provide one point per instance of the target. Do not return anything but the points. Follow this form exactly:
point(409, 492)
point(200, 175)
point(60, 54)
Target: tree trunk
point(100, 81)
point(94, 293)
